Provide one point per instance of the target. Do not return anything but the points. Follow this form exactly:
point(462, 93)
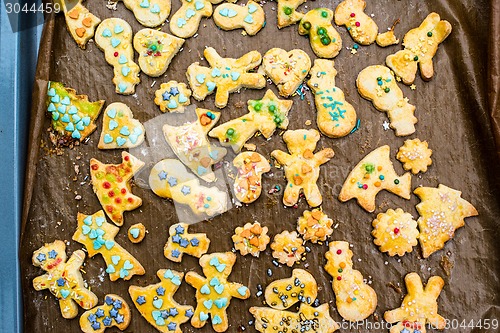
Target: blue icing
point(235, 76)
point(181, 22)
point(51, 92)
point(76, 118)
point(200, 78)
point(122, 87)
point(144, 4)
point(70, 127)
point(55, 99)
point(155, 9)
point(76, 134)
point(120, 141)
point(61, 109)
point(125, 131)
point(190, 13)
point(211, 85)
point(122, 60)
point(223, 12)
point(115, 42)
point(55, 115)
point(107, 138)
point(215, 72)
point(221, 302)
point(252, 8)
point(65, 118)
point(248, 19)
point(79, 126)
point(242, 290)
point(51, 107)
point(112, 124)
point(216, 320)
point(199, 5)
point(231, 13)
point(65, 101)
point(106, 33)
point(73, 110)
point(125, 70)
point(118, 29)
point(172, 104)
point(111, 113)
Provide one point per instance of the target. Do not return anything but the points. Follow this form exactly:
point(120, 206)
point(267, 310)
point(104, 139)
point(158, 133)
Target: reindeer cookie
point(314, 226)
point(63, 279)
point(248, 182)
point(149, 13)
point(420, 45)
point(180, 242)
point(360, 26)
point(325, 40)
point(80, 22)
point(265, 115)
point(354, 298)
point(114, 37)
point(114, 312)
point(250, 239)
point(185, 22)
point(302, 166)
point(226, 75)
point(336, 117)
point(300, 287)
point(120, 129)
point(251, 17)
point(173, 97)
point(287, 12)
point(156, 49)
point(377, 84)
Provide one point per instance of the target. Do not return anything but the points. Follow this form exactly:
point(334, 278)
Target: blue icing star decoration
point(186, 190)
point(162, 175)
point(175, 253)
point(61, 282)
point(96, 325)
point(166, 96)
point(119, 319)
point(92, 318)
point(141, 300)
point(160, 291)
point(108, 300)
point(107, 321)
point(113, 312)
point(172, 326)
point(195, 242)
point(184, 242)
point(189, 313)
point(41, 257)
point(176, 238)
point(174, 91)
point(179, 229)
point(172, 181)
point(99, 313)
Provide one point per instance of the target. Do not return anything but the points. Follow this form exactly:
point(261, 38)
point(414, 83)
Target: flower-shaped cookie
point(251, 238)
point(173, 96)
point(287, 248)
point(415, 156)
point(395, 232)
point(314, 225)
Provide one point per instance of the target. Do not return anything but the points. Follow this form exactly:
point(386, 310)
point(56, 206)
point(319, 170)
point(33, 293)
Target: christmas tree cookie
point(287, 12)
point(325, 40)
point(284, 293)
point(314, 226)
point(80, 21)
point(361, 27)
point(114, 312)
point(248, 181)
point(181, 242)
point(395, 232)
point(120, 129)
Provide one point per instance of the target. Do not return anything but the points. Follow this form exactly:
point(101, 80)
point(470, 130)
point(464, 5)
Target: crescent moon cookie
point(378, 85)
point(325, 40)
point(225, 76)
point(173, 97)
point(336, 117)
point(81, 22)
point(302, 166)
point(284, 293)
point(287, 248)
point(149, 13)
point(63, 278)
point(250, 239)
point(114, 37)
point(287, 12)
point(114, 312)
point(361, 27)
point(371, 175)
point(156, 50)
point(421, 45)
point(180, 242)
point(251, 17)
point(119, 128)
point(354, 298)
point(395, 232)
point(415, 156)
point(314, 226)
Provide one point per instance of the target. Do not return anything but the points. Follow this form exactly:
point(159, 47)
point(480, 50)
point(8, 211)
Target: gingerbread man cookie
point(173, 97)
point(250, 239)
point(325, 40)
point(81, 22)
point(248, 182)
point(314, 226)
point(371, 175)
point(354, 298)
point(225, 75)
point(111, 183)
point(157, 305)
point(419, 306)
point(287, 12)
point(114, 312)
point(377, 84)
point(361, 27)
point(286, 69)
point(264, 116)
point(420, 45)
point(156, 49)
point(185, 22)
point(442, 211)
point(114, 37)
point(63, 278)
point(395, 232)
point(72, 115)
point(415, 156)
point(180, 242)
point(120, 129)
point(287, 248)
point(300, 287)
point(302, 166)
point(98, 236)
point(149, 13)
point(251, 17)
point(214, 291)
point(170, 179)
point(336, 117)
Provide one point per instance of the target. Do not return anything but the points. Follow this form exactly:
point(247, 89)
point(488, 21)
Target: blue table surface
point(17, 51)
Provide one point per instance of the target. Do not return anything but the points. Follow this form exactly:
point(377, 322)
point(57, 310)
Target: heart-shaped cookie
point(120, 129)
point(286, 69)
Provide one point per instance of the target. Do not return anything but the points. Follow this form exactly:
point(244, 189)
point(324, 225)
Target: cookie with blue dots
point(181, 242)
point(120, 129)
point(114, 312)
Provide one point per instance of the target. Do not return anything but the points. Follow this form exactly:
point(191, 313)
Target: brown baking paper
point(455, 111)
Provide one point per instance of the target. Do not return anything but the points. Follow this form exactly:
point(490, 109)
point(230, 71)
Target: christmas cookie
point(63, 278)
point(395, 232)
point(251, 17)
point(114, 312)
point(360, 26)
point(185, 22)
point(119, 128)
point(80, 22)
point(388, 38)
point(442, 211)
point(371, 175)
point(420, 45)
point(190, 144)
point(419, 306)
point(354, 298)
point(136, 233)
point(287, 12)
point(170, 179)
point(72, 115)
point(214, 291)
point(248, 182)
point(98, 236)
point(336, 117)
point(300, 287)
point(377, 84)
point(173, 97)
point(287, 248)
point(250, 239)
point(157, 305)
point(286, 69)
point(302, 166)
point(180, 242)
point(314, 226)
point(149, 13)
point(264, 116)
point(415, 156)
point(156, 49)
point(225, 75)
point(114, 37)
point(325, 40)
point(111, 183)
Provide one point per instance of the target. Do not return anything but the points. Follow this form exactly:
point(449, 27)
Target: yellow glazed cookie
point(173, 97)
point(119, 128)
point(360, 26)
point(149, 13)
point(336, 117)
point(420, 45)
point(415, 156)
point(287, 248)
point(395, 232)
point(325, 40)
point(314, 226)
point(302, 166)
point(98, 236)
point(251, 17)
point(180, 242)
point(300, 287)
point(136, 233)
point(224, 76)
point(114, 312)
point(354, 298)
point(287, 12)
point(248, 182)
point(250, 239)
point(80, 22)
point(63, 278)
